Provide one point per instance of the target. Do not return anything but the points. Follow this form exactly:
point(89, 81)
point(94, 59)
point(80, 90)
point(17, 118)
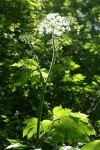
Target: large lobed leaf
point(71, 127)
point(31, 127)
point(65, 126)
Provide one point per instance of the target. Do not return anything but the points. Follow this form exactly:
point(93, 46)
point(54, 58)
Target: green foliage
point(27, 71)
point(76, 75)
point(28, 63)
point(31, 127)
point(64, 126)
point(95, 145)
point(5, 118)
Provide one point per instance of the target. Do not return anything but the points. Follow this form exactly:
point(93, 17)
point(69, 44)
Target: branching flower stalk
point(55, 25)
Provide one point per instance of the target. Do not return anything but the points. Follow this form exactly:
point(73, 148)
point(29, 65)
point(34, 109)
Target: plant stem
point(39, 70)
point(43, 91)
point(39, 115)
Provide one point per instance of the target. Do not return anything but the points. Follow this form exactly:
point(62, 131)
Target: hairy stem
point(43, 92)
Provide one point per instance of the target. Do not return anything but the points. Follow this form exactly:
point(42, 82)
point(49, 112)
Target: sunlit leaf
point(45, 124)
point(95, 145)
point(60, 112)
point(31, 127)
point(78, 78)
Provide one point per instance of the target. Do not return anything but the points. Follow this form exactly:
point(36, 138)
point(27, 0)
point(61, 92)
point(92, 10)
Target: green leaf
point(30, 121)
point(5, 118)
point(32, 132)
point(81, 116)
point(64, 126)
point(78, 78)
point(12, 141)
point(31, 127)
point(44, 74)
point(27, 129)
point(73, 65)
point(58, 137)
point(27, 71)
point(95, 145)
point(35, 77)
point(60, 112)
point(45, 125)
point(21, 76)
point(1, 64)
point(74, 126)
point(28, 63)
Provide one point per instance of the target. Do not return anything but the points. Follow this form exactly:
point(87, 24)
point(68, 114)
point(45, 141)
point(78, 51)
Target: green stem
point(43, 92)
point(39, 115)
point(36, 58)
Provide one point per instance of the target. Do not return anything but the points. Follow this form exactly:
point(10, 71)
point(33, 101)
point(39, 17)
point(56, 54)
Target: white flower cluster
point(55, 22)
point(26, 37)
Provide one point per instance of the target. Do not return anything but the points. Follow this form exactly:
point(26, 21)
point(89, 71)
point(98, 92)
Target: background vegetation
point(75, 82)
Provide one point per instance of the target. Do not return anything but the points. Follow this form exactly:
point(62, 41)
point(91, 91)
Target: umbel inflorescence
point(53, 22)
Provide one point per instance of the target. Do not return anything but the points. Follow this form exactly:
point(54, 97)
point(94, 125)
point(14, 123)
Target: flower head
point(55, 22)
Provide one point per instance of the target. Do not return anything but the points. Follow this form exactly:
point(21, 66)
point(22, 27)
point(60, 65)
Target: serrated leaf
point(81, 116)
point(60, 112)
point(64, 126)
point(74, 126)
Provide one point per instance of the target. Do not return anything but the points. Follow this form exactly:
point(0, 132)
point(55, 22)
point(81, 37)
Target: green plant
point(64, 126)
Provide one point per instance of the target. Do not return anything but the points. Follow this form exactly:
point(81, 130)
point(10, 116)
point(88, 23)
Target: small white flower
point(68, 28)
point(55, 22)
point(49, 30)
point(63, 29)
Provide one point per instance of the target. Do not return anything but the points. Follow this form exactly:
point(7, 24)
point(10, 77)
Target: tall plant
point(56, 26)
